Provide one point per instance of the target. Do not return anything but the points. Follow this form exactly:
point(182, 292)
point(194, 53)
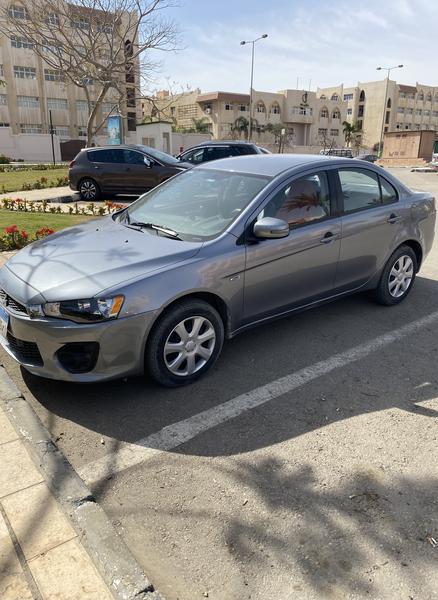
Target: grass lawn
point(14, 181)
point(31, 222)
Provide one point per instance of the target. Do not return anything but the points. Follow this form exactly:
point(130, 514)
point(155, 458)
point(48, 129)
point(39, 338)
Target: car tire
point(175, 354)
point(89, 190)
point(398, 277)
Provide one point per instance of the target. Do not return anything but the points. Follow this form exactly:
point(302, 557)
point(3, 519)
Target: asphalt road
point(321, 485)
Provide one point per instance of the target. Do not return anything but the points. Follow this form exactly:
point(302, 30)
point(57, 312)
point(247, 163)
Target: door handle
point(328, 237)
point(393, 218)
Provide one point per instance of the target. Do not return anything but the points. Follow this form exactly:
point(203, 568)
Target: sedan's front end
point(57, 342)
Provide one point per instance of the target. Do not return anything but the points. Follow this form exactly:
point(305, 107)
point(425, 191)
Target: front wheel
point(185, 343)
point(89, 190)
point(398, 277)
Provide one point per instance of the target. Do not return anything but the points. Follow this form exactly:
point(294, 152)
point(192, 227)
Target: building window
point(82, 105)
point(360, 110)
point(207, 108)
point(132, 121)
point(418, 111)
point(130, 97)
point(349, 111)
point(26, 128)
point(2, 71)
point(52, 19)
point(61, 131)
point(261, 108)
point(323, 97)
point(228, 106)
point(402, 95)
point(24, 72)
point(429, 97)
point(409, 111)
point(172, 111)
point(322, 131)
point(17, 12)
point(4, 124)
point(80, 23)
point(348, 97)
point(426, 113)
point(28, 102)
point(3, 100)
point(82, 131)
point(55, 49)
point(362, 96)
point(408, 126)
point(88, 81)
point(242, 108)
point(324, 113)
point(334, 132)
point(53, 75)
point(334, 97)
point(435, 113)
point(336, 114)
point(21, 42)
point(400, 110)
point(275, 108)
point(57, 104)
point(420, 97)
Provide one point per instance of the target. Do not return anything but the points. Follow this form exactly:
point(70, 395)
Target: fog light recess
point(78, 357)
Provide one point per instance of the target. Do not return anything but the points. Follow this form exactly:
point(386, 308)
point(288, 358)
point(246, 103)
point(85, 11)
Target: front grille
point(6, 300)
point(25, 352)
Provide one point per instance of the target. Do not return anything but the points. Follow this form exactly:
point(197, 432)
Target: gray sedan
point(215, 250)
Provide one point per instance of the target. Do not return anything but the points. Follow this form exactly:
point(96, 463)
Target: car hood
point(83, 261)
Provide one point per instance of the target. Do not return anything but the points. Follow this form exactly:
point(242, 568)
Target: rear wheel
point(89, 190)
point(398, 277)
point(185, 343)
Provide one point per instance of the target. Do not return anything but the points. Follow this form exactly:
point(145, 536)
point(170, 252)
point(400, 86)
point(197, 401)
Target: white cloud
point(329, 43)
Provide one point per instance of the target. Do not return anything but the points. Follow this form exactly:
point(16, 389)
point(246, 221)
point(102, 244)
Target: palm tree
point(201, 125)
point(349, 130)
point(241, 125)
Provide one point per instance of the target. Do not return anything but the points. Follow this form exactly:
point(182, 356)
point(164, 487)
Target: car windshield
point(198, 204)
point(160, 156)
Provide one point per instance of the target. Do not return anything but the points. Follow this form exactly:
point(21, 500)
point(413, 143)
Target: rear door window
point(133, 158)
point(363, 189)
point(215, 153)
point(195, 157)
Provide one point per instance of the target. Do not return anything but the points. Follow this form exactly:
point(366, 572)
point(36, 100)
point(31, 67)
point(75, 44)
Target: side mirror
point(269, 227)
point(146, 161)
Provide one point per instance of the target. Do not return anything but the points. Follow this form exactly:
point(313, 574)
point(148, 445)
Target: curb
point(117, 566)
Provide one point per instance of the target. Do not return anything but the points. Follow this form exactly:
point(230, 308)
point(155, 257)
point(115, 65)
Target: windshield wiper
point(169, 232)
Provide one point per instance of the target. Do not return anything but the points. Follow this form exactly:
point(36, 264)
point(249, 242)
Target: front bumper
point(34, 343)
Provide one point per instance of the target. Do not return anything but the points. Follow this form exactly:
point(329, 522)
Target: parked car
point(120, 170)
point(214, 150)
point(368, 157)
point(215, 250)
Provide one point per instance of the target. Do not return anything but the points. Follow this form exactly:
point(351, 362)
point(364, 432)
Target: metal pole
point(250, 93)
point(388, 71)
point(51, 136)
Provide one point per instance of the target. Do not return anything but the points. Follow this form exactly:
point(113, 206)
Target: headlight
point(91, 309)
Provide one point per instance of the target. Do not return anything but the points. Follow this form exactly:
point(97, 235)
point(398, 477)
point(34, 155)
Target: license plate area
point(4, 322)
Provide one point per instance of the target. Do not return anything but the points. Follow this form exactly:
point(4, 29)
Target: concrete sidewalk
point(41, 556)
point(49, 194)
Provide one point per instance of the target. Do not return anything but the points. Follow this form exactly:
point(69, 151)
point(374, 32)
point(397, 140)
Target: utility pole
point(51, 136)
point(382, 131)
point(265, 35)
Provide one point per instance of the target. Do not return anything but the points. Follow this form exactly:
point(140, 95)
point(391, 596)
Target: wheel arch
point(416, 247)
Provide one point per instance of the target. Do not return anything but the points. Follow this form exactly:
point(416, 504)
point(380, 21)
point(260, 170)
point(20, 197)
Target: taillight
point(73, 162)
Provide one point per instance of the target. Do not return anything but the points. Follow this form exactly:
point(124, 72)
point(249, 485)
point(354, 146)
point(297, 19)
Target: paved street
point(302, 466)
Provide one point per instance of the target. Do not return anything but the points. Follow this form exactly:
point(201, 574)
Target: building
point(400, 107)
point(33, 91)
point(408, 148)
point(308, 119)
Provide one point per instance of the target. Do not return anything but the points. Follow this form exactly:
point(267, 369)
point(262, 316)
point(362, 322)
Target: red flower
point(24, 234)
point(11, 229)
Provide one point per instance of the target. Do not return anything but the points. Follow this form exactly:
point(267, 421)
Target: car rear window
point(109, 155)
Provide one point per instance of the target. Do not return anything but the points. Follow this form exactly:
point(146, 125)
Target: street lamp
point(265, 35)
point(388, 72)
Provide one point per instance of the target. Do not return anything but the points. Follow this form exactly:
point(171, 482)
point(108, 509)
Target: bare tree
point(104, 47)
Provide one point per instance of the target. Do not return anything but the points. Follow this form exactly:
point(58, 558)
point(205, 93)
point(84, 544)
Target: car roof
point(273, 164)
point(223, 143)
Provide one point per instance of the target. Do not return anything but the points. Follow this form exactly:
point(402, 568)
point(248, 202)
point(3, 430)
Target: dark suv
point(218, 149)
point(120, 170)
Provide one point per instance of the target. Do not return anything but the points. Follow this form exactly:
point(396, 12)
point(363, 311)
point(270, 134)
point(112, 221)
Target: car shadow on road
point(128, 411)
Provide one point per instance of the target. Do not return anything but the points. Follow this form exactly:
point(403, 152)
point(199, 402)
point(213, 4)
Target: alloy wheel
point(400, 276)
point(189, 346)
point(88, 190)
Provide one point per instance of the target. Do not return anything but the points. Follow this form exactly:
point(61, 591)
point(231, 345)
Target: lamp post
point(265, 35)
point(388, 72)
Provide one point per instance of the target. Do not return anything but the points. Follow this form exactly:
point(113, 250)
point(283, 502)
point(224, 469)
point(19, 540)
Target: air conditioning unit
point(208, 111)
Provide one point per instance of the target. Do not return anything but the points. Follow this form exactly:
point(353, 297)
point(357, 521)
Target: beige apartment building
point(308, 119)
point(32, 90)
point(398, 107)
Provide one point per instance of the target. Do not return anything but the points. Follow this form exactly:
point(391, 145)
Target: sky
point(321, 42)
